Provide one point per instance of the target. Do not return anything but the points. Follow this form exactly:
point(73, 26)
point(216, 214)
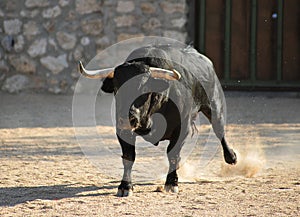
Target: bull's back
point(188, 61)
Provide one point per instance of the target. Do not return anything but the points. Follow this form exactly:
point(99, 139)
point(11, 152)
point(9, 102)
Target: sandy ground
point(44, 171)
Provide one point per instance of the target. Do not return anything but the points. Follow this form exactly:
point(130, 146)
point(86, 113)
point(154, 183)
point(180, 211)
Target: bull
point(174, 82)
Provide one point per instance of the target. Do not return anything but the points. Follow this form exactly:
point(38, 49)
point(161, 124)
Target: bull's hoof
point(124, 193)
point(230, 157)
point(125, 189)
point(171, 184)
point(172, 189)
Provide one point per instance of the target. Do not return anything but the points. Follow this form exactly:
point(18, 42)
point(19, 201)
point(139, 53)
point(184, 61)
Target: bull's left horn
point(101, 73)
point(165, 73)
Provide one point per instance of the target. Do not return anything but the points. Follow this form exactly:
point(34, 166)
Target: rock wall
point(42, 40)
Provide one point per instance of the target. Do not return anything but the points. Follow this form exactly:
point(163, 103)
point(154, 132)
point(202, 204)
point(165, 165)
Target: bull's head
point(147, 81)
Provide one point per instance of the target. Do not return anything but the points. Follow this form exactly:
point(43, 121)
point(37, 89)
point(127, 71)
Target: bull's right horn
point(165, 73)
point(101, 73)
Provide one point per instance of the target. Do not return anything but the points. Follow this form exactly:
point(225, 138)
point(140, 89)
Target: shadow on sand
point(11, 196)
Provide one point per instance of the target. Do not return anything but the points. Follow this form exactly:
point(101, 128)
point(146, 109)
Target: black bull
point(174, 82)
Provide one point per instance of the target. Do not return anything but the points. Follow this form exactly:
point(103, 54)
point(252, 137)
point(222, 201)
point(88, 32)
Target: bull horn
point(101, 73)
point(165, 73)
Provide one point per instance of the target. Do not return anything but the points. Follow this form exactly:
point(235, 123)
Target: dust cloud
point(248, 165)
point(250, 158)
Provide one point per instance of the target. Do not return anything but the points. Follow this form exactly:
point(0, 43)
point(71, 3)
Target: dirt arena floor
point(46, 171)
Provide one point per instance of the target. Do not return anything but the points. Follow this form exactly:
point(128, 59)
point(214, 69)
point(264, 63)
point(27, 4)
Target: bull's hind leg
point(218, 127)
point(126, 188)
point(229, 154)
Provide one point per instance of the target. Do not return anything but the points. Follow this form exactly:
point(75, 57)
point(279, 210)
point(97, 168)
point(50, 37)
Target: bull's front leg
point(171, 184)
point(173, 152)
point(128, 150)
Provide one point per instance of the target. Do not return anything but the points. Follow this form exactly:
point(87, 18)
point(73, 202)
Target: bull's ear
point(108, 86)
point(157, 85)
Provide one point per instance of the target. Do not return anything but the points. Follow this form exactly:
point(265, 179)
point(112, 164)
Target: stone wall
point(42, 40)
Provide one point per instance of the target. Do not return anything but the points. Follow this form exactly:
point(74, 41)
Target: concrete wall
point(42, 40)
